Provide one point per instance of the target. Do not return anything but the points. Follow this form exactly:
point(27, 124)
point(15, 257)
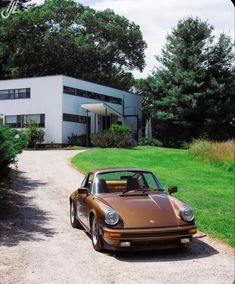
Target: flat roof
point(34, 77)
point(58, 75)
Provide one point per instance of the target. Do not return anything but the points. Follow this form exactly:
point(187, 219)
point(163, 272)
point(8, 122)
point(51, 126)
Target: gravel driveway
point(38, 245)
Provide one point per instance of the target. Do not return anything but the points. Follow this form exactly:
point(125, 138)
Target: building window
point(31, 118)
point(70, 91)
point(14, 94)
point(20, 121)
point(11, 120)
point(74, 118)
point(91, 95)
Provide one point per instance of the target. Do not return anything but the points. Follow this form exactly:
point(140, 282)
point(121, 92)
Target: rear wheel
point(74, 222)
point(95, 235)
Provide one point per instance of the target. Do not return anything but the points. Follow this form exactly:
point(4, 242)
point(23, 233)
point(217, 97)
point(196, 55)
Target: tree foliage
point(12, 143)
point(64, 37)
point(192, 93)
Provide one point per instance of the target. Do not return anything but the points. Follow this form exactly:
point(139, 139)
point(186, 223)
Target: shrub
point(150, 142)
point(12, 143)
point(120, 128)
point(219, 153)
point(35, 134)
point(102, 139)
point(116, 136)
point(23, 138)
point(77, 140)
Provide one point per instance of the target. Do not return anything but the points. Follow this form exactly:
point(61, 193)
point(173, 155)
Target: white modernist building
point(64, 106)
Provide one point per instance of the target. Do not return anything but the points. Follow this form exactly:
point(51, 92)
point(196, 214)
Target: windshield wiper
point(138, 189)
point(144, 190)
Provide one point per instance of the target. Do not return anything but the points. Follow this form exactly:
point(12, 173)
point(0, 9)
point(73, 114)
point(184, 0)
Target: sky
point(156, 18)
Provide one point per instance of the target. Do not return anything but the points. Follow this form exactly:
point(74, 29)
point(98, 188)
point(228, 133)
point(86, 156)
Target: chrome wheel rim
point(72, 213)
point(94, 232)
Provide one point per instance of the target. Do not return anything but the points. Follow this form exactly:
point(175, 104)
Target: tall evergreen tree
point(220, 96)
point(191, 93)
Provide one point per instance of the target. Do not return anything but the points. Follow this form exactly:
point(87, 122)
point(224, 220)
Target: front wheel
point(74, 222)
point(95, 235)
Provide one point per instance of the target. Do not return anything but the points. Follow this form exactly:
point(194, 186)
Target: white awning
point(101, 109)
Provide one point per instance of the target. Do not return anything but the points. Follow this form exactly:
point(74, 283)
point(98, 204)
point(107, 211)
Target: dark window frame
point(74, 118)
point(91, 95)
point(15, 94)
point(20, 120)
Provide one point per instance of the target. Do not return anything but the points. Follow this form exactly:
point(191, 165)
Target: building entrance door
point(106, 122)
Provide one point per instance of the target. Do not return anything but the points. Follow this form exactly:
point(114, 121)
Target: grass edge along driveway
point(207, 188)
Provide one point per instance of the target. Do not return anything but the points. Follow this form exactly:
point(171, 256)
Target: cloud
point(156, 18)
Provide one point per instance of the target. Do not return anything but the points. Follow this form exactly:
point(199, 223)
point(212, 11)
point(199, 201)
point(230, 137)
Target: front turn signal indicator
point(192, 231)
point(111, 235)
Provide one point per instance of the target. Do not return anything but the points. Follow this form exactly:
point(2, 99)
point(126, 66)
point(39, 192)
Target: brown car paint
point(148, 210)
point(148, 220)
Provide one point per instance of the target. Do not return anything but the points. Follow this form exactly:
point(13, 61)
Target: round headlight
point(111, 217)
point(187, 213)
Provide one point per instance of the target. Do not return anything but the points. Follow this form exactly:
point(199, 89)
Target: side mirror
point(83, 190)
point(172, 189)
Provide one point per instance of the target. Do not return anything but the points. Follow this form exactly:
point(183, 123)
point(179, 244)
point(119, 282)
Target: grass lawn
point(208, 189)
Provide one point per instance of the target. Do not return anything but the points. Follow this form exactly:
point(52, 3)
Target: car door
point(82, 204)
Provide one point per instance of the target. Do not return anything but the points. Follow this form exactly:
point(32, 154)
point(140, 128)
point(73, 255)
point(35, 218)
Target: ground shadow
point(20, 219)
point(198, 249)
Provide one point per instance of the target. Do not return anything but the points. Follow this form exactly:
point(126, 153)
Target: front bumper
point(146, 239)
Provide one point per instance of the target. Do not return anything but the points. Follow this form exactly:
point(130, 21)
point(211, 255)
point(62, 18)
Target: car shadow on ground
point(20, 219)
point(198, 249)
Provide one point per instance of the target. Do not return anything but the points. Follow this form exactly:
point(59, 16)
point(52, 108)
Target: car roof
point(107, 170)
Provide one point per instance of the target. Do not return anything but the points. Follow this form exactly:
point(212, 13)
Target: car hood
point(146, 210)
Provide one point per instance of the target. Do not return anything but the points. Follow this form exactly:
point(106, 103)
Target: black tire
point(95, 235)
point(73, 220)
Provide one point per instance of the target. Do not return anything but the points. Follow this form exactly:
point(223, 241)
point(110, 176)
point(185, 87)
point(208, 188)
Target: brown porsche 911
point(127, 208)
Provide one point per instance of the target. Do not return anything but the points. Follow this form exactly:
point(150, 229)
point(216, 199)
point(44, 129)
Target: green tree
point(190, 95)
point(64, 37)
point(219, 103)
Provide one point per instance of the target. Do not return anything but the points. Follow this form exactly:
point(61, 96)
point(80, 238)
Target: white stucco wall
point(46, 98)
point(130, 99)
point(72, 104)
point(72, 127)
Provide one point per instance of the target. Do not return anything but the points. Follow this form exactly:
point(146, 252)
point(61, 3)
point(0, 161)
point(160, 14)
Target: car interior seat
point(132, 183)
point(101, 186)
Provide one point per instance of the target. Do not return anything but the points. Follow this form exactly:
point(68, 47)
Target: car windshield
point(125, 181)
